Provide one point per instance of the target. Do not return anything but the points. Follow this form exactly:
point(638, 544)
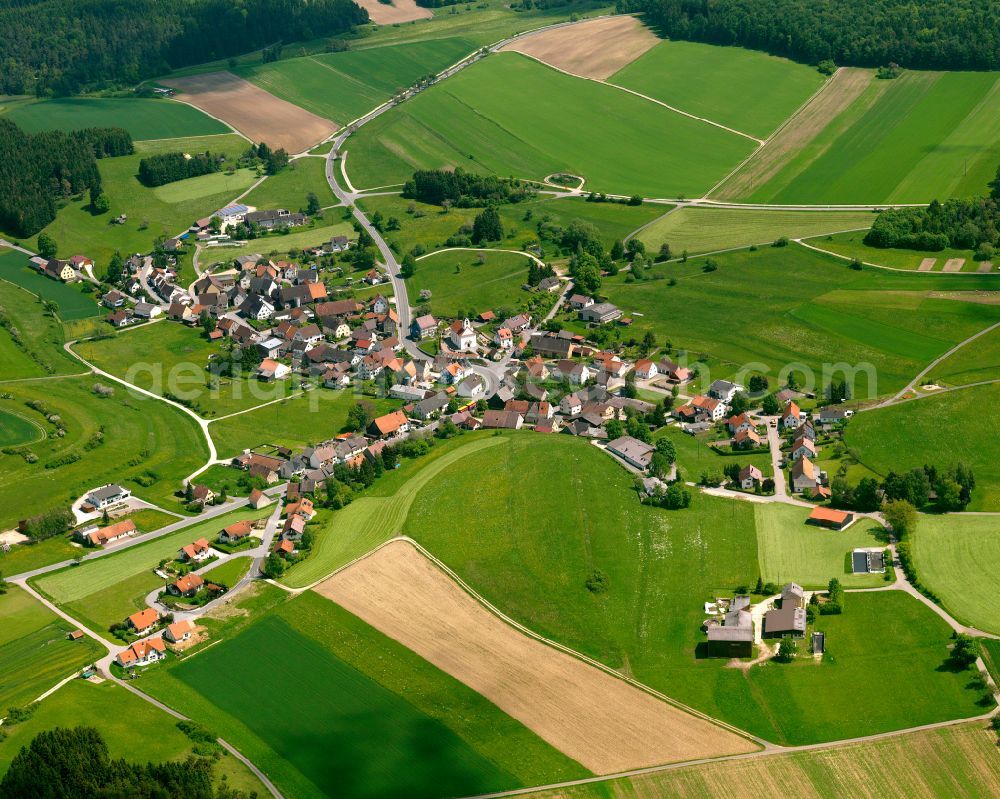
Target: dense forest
point(463, 189)
point(75, 764)
point(931, 34)
point(38, 169)
point(168, 167)
point(965, 224)
point(64, 46)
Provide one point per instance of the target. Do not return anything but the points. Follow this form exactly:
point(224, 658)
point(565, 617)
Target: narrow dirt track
point(598, 720)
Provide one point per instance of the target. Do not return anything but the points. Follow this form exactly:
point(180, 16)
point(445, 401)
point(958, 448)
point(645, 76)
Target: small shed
point(818, 643)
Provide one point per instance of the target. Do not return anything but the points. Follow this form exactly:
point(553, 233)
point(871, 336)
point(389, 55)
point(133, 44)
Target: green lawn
point(790, 550)
point(783, 306)
point(958, 558)
point(34, 649)
point(230, 571)
point(16, 429)
point(143, 118)
point(695, 457)
point(959, 762)
point(852, 245)
point(132, 728)
point(115, 439)
point(430, 227)
point(490, 129)
point(210, 185)
point(529, 545)
point(77, 231)
point(980, 360)
point(380, 514)
point(715, 83)
point(940, 430)
point(167, 357)
point(460, 284)
point(26, 557)
point(345, 86)
point(298, 421)
point(290, 188)
point(363, 717)
point(71, 302)
point(108, 589)
point(707, 229)
point(923, 136)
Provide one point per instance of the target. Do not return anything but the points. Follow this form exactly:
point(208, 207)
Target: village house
point(750, 477)
point(600, 313)
point(708, 407)
point(271, 369)
point(186, 586)
point(302, 507)
point(179, 631)
point(236, 532)
point(548, 346)
point(580, 301)
point(274, 219)
point(791, 417)
point(143, 622)
point(258, 499)
point(110, 534)
point(294, 527)
point(508, 420)
point(634, 452)
point(106, 496)
point(738, 423)
point(195, 551)
point(831, 416)
point(804, 476)
point(803, 448)
point(391, 425)
point(503, 338)
point(423, 327)
point(724, 390)
point(747, 438)
point(645, 369)
point(142, 653)
point(576, 373)
point(59, 270)
point(673, 372)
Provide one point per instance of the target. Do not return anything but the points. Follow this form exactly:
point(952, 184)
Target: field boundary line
point(805, 243)
point(213, 116)
point(734, 131)
point(482, 249)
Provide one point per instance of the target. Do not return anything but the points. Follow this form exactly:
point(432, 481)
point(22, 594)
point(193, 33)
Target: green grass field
point(34, 651)
point(345, 86)
point(25, 558)
point(958, 558)
point(695, 457)
point(852, 245)
point(940, 430)
point(380, 514)
point(116, 439)
point(529, 545)
point(959, 762)
point(291, 186)
point(706, 229)
point(16, 430)
point(363, 718)
point(428, 226)
point(923, 136)
point(793, 306)
point(77, 231)
point(296, 239)
point(490, 129)
point(980, 360)
point(792, 551)
point(40, 352)
point(715, 82)
point(298, 421)
point(459, 283)
point(132, 728)
point(206, 186)
point(167, 357)
point(142, 118)
point(71, 302)
point(231, 571)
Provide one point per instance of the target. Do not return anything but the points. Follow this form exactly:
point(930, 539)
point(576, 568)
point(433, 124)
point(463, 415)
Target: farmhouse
point(830, 416)
point(787, 620)
point(803, 448)
point(645, 369)
point(600, 313)
point(509, 420)
point(828, 517)
point(143, 622)
point(108, 495)
point(792, 416)
point(111, 533)
point(551, 346)
point(734, 637)
point(59, 270)
point(390, 425)
point(271, 369)
point(634, 452)
point(423, 327)
point(277, 218)
point(804, 475)
point(142, 653)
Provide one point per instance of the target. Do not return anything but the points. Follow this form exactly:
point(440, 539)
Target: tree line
point(39, 169)
point(463, 189)
point(971, 223)
point(162, 168)
point(64, 46)
point(931, 34)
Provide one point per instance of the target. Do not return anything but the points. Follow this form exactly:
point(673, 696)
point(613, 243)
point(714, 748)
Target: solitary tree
point(487, 226)
point(900, 515)
point(47, 246)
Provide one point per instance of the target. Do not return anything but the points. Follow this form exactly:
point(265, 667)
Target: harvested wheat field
point(598, 720)
point(839, 92)
point(596, 48)
point(399, 11)
point(255, 113)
